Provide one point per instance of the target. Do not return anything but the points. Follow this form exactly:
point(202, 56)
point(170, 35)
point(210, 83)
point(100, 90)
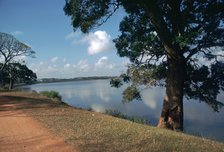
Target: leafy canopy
point(194, 28)
point(19, 73)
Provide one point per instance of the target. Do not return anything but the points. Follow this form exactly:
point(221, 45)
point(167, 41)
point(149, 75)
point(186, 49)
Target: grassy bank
point(96, 132)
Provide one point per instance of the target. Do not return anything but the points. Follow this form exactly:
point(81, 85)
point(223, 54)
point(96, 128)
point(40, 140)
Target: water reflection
point(99, 96)
point(98, 108)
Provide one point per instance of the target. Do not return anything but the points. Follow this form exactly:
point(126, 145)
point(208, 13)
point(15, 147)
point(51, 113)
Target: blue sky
point(60, 52)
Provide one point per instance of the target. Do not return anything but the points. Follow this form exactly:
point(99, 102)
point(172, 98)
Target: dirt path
point(20, 133)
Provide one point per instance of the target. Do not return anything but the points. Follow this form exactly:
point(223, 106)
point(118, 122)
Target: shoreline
point(92, 131)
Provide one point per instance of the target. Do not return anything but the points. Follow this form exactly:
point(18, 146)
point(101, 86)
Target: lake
point(199, 118)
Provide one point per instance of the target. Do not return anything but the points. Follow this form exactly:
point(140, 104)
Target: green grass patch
point(51, 94)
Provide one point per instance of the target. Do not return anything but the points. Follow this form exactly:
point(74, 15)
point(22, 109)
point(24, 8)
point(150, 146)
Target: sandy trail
point(21, 133)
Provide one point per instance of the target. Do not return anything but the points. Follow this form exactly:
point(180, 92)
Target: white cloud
point(149, 100)
point(101, 67)
point(44, 69)
point(99, 41)
point(17, 33)
point(50, 68)
point(54, 59)
point(67, 65)
point(102, 61)
point(126, 62)
point(111, 66)
point(21, 58)
point(64, 60)
point(98, 108)
point(41, 62)
point(103, 64)
point(16, 59)
point(83, 65)
point(104, 95)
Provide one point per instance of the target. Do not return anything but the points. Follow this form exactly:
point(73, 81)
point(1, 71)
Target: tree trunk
point(11, 84)
point(1, 76)
point(1, 80)
point(172, 112)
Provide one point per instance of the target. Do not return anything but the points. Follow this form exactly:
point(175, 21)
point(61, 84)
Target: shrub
point(51, 94)
point(118, 114)
point(140, 120)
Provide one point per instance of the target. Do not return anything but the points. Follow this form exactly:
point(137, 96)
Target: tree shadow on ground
point(9, 103)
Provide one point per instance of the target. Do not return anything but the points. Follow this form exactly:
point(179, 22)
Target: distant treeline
point(50, 80)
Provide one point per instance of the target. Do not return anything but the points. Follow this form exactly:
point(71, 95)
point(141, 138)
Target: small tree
point(16, 72)
point(10, 49)
point(166, 41)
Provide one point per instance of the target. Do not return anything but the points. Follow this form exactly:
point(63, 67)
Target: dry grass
point(95, 132)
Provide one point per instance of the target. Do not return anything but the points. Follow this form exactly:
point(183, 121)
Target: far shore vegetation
point(52, 80)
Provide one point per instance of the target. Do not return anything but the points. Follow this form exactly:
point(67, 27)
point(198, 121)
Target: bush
point(115, 113)
point(140, 120)
point(51, 94)
point(118, 114)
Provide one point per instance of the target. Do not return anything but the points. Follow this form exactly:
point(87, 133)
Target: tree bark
point(1, 75)
point(11, 84)
point(1, 80)
point(172, 112)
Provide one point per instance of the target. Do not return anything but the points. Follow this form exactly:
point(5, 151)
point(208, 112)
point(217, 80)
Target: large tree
point(175, 43)
point(11, 49)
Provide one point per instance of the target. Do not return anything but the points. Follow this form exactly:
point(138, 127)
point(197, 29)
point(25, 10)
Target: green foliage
point(86, 14)
point(10, 49)
point(140, 120)
point(141, 75)
point(18, 73)
point(115, 113)
point(115, 82)
point(118, 114)
point(126, 78)
point(205, 84)
point(131, 93)
point(154, 31)
point(138, 39)
point(51, 94)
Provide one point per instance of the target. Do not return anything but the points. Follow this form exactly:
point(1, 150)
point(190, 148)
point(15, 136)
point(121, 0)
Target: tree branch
point(116, 7)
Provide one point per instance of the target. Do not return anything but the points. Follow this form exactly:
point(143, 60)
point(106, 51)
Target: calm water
point(199, 119)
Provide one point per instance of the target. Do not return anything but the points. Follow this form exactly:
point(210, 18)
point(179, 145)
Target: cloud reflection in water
point(98, 95)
